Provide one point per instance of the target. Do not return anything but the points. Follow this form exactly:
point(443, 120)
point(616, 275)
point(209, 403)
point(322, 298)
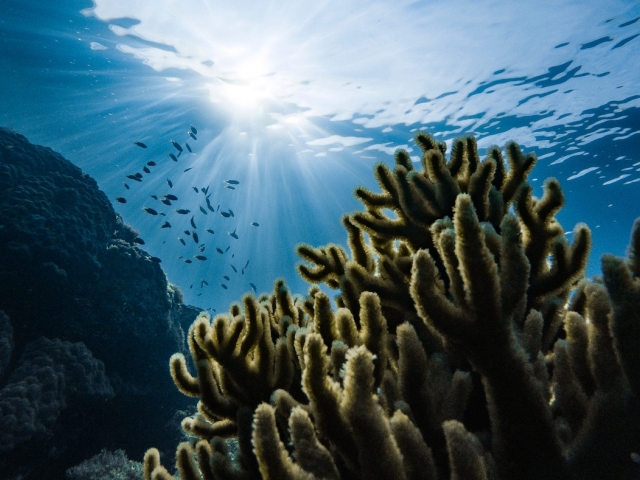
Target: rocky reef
point(85, 317)
point(466, 343)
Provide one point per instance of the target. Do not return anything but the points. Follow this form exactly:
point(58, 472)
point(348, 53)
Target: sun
point(246, 87)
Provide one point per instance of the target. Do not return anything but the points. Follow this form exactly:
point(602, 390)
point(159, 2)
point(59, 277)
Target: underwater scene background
point(227, 133)
point(297, 103)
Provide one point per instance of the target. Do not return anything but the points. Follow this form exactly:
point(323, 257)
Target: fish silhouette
point(176, 146)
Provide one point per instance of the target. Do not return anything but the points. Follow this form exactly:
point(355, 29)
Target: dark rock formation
point(71, 272)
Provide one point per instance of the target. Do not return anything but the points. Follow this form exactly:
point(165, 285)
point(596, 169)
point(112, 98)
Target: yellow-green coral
point(466, 343)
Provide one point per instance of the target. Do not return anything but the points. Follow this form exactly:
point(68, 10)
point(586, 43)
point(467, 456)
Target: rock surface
point(71, 272)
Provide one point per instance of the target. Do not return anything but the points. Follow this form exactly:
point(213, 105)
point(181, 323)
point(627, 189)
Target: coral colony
point(466, 343)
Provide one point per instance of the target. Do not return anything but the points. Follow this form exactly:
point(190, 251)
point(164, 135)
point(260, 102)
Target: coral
point(106, 466)
point(466, 343)
point(50, 378)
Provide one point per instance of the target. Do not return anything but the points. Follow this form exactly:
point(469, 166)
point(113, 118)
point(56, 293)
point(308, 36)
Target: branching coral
point(466, 343)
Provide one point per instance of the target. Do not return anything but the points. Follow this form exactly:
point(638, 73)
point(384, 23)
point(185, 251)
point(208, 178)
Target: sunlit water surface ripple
point(297, 101)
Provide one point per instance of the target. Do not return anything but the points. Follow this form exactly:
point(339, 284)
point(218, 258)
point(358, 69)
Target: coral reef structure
point(466, 343)
point(86, 314)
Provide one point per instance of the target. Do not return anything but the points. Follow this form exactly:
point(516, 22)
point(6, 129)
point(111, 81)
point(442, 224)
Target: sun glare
point(247, 96)
point(247, 88)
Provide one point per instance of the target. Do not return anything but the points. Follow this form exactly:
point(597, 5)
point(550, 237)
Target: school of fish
point(168, 199)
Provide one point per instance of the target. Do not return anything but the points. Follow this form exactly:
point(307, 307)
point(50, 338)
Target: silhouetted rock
point(71, 272)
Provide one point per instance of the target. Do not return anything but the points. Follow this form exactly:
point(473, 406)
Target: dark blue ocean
point(228, 133)
point(298, 102)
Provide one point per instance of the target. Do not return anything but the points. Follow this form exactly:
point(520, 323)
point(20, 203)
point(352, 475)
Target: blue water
point(297, 103)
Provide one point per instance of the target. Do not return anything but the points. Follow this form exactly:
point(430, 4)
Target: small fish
point(121, 199)
point(224, 286)
point(199, 295)
point(231, 212)
point(155, 197)
point(155, 259)
point(162, 214)
point(171, 196)
point(150, 211)
point(186, 260)
point(230, 187)
point(193, 223)
point(195, 189)
point(234, 268)
point(195, 237)
point(151, 163)
point(206, 190)
point(140, 144)
point(226, 249)
point(188, 147)
point(219, 251)
point(187, 232)
point(253, 287)
point(170, 183)
point(192, 135)
point(203, 282)
point(232, 182)
point(203, 210)
point(246, 265)
point(202, 247)
point(233, 234)
point(182, 241)
point(133, 177)
point(176, 146)
point(166, 201)
point(191, 286)
point(225, 214)
point(138, 175)
point(173, 157)
point(187, 169)
point(255, 224)
point(139, 241)
point(165, 225)
point(146, 169)
point(193, 130)
point(125, 185)
point(210, 231)
point(183, 211)
point(226, 278)
point(209, 205)
point(200, 257)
